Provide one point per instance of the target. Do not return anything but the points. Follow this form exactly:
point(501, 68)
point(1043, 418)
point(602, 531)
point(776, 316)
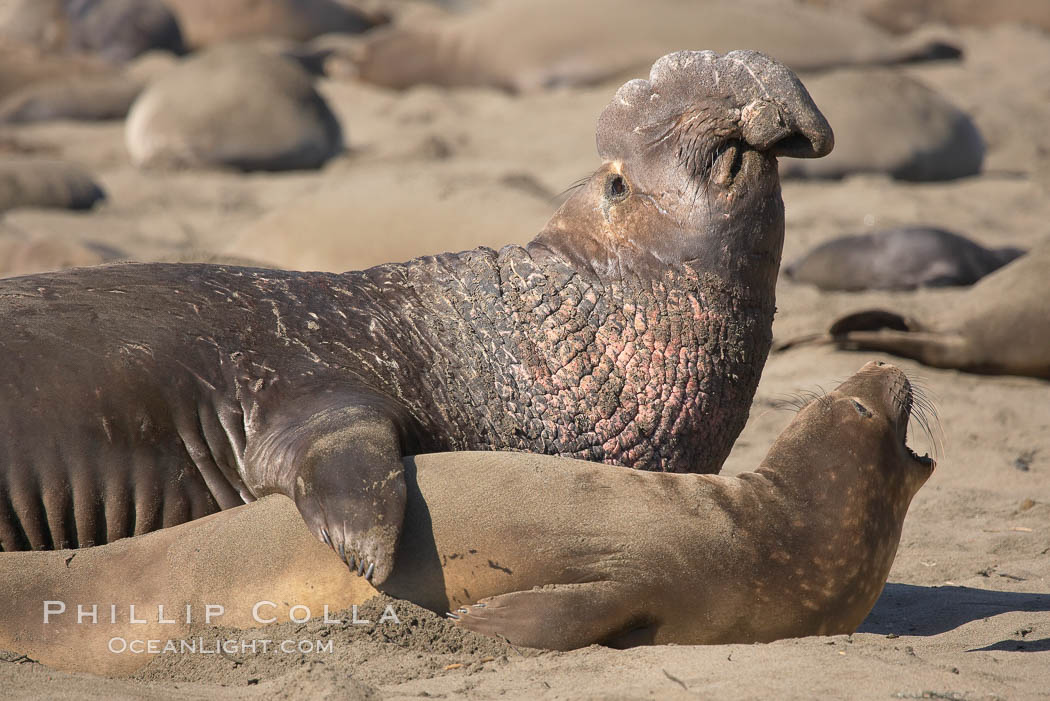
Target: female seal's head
point(863, 425)
point(689, 173)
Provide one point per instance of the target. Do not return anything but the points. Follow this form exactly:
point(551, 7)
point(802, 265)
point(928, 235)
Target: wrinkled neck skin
point(643, 349)
point(527, 349)
point(621, 334)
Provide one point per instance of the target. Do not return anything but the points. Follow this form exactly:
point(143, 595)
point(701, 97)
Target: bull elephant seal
point(632, 331)
point(898, 259)
point(999, 326)
point(561, 553)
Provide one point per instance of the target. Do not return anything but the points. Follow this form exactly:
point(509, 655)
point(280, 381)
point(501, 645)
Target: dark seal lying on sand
point(898, 259)
point(631, 331)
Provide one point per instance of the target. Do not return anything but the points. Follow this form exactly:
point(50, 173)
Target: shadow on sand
point(1022, 645)
point(907, 609)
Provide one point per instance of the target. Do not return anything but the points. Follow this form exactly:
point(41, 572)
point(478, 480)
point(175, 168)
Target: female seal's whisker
point(823, 397)
point(922, 384)
point(799, 399)
point(790, 402)
point(924, 412)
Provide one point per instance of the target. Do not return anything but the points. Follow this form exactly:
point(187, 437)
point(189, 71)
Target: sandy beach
point(966, 611)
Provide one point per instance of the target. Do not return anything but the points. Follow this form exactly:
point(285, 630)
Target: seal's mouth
point(908, 399)
point(735, 167)
point(726, 162)
point(732, 162)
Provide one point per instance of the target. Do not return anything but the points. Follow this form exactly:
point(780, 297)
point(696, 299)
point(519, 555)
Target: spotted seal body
point(631, 331)
point(801, 546)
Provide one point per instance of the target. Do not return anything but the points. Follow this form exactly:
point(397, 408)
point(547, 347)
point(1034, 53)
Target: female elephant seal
point(546, 552)
point(999, 326)
point(631, 331)
point(801, 546)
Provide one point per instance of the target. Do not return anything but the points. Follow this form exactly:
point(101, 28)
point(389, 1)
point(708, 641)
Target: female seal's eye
point(616, 187)
point(861, 409)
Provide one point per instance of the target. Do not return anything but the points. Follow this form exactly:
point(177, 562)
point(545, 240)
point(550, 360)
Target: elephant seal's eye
point(861, 409)
point(616, 188)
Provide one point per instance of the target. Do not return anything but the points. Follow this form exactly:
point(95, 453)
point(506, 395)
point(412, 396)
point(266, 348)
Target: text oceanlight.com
point(263, 612)
point(218, 646)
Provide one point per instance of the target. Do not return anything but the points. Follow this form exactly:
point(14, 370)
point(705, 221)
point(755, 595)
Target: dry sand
point(966, 614)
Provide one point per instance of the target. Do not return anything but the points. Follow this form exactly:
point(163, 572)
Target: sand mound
point(418, 647)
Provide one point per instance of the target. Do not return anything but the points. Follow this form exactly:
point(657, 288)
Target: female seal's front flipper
point(338, 456)
point(557, 616)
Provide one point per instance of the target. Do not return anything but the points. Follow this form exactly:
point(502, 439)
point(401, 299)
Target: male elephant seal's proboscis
point(560, 553)
point(631, 331)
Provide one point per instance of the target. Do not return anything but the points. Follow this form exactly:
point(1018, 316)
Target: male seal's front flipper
point(557, 616)
point(338, 456)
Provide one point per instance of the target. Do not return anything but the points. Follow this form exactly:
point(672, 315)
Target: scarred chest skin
point(480, 350)
point(529, 354)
